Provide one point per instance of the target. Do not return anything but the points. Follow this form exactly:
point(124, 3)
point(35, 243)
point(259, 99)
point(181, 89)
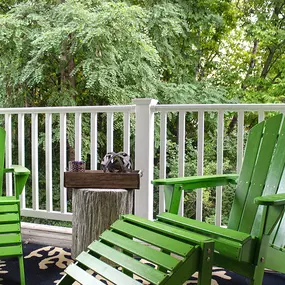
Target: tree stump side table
point(94, 210)
point(98, 199)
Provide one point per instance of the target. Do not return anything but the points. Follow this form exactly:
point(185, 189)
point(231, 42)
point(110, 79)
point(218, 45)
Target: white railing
point(200, 110)
point(22, 126)
point(140, 123)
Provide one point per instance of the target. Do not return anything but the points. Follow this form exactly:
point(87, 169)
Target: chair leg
point(260, 262)
point(258, 276)
point(206, 264)
point(22, 270)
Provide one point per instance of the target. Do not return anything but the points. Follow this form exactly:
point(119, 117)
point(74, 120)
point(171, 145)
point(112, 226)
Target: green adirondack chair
point(255, 236)
point(10, 231)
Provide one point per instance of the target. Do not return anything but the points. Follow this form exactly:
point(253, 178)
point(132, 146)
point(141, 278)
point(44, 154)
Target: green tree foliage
point(72, 54)
point(252, 64)
point(95, 52)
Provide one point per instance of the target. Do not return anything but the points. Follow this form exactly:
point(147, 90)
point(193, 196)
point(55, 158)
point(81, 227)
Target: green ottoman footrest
point(174, 254)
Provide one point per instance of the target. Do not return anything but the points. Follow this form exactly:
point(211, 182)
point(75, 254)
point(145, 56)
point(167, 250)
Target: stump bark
point(94, 210)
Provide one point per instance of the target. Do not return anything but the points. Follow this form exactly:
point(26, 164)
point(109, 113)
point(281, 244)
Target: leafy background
point(95, 52)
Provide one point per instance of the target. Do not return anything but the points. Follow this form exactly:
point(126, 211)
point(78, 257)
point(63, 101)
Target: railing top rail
point(71, 109)
point(157, 108)
point(218, 107)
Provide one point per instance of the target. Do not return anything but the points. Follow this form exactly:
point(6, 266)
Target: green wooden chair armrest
point(271, 200)
point(21, 175)
point(18, 170)
point(194, 182)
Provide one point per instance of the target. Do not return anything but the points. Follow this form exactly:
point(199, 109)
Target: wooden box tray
point(100, 179)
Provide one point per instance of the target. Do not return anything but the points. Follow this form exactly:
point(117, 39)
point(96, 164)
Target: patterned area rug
point(44, 265)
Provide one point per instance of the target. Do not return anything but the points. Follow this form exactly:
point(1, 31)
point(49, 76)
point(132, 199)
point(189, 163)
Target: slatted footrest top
point(174, 253)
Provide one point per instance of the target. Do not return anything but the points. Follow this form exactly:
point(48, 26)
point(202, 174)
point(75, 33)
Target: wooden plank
point(271, 200)
point(251, 151)
point(274, 260)
point(219, 168)
point(204, 227)
point(277, 165)
point(279, 238)
point(138, 249)
point(100, 179)
point(162, 158)
point(14, 250)
point(81, 276)
point(8, 153)
point(274, 184)
point(181, 155)
point(166, 243)
point(21, 151)
point(10, 239)
point(9, 228)
point(2, 156)
point(48, 159)
point(223, 245)
point(166, 229)
point(200, 164)
point(146, 272)
point(226, 178)
point(9, 218)
point(105, 270)
point(264, 158)
point(9, 208)
point(35, 162)
point(62, 162)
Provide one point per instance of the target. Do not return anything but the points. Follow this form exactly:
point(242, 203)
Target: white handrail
point(59, 110)
point(219, 107)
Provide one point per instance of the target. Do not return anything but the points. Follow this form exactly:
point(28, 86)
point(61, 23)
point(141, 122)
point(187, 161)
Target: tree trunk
point(94, 210)
point(251, 63)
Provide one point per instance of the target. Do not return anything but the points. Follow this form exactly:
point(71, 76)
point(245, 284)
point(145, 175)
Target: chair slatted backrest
point(261, 173)
point(277, 237)
point(2, 156)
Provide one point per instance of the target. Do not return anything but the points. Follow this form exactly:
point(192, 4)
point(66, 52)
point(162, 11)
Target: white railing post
point(200, 164)
point(181, 156)
point(144, 156)
point(21, 151)
point(48, 130)
point(220, 160)
point(8, 153)
point(162, 158)
point(62, 162)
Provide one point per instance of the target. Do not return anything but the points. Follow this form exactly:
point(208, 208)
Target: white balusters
point(78, 135)
point(240, 140)
point(200, 165)
point(110, 132)
point(127, 132)
point(35, 162)
point(144, 146)
point(220, 158)
point(62, 161)
point(8, 153)
point(260, 116)
point(48, 150)
point(94, 141)
point(162, 157)
point(21, 151)
point(181, 155)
